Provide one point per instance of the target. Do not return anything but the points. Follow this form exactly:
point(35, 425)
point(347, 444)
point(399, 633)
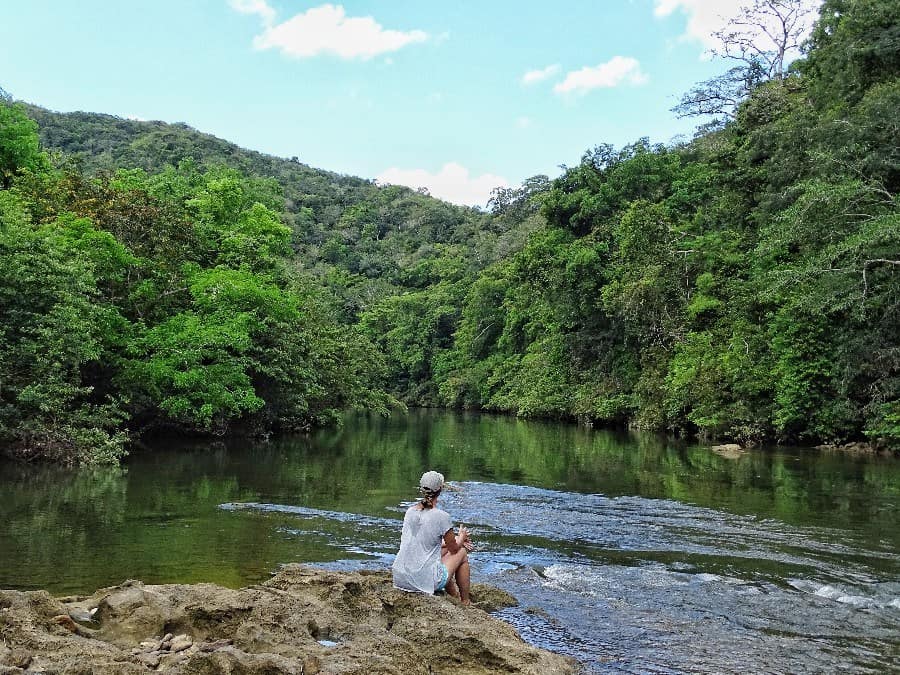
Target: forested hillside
point(743, 285)
point(155, 277)
point(362, 239)
point(677, 289)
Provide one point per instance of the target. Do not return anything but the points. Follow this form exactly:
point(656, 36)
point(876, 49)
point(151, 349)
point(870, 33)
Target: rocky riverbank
point(303, 621)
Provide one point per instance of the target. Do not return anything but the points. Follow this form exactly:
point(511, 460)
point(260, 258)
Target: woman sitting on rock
point(431, 557)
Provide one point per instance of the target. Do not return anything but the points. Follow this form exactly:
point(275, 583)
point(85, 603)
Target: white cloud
point(452, 183)
point(705, 18)
point(327, 30)
point(523, 122)
point(259, 7)
point(535, 76)
point(618, 70)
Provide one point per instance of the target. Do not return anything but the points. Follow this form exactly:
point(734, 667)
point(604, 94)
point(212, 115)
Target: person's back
point(417, 566)
point(431, 558)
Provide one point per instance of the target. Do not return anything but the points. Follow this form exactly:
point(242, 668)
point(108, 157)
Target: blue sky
point(456, 96)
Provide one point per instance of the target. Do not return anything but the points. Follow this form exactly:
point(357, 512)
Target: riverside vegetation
point(743, 285)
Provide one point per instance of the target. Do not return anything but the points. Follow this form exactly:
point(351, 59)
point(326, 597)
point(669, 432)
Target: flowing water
point(631, 553)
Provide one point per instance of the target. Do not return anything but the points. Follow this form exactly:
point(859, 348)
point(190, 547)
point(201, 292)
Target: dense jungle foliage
point(742, 285)
point(133, 301)
point(745, 285)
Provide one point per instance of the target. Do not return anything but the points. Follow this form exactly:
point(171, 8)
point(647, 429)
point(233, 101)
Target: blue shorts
point(445, 576)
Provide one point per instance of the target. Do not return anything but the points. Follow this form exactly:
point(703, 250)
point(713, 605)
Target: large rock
point(729, 450)
point(303, 620)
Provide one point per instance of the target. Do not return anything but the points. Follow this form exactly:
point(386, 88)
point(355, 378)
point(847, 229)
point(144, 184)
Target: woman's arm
point(454, 542)
point(451, 543)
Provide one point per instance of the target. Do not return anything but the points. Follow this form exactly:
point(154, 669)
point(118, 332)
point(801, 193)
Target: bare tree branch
point(761, 39)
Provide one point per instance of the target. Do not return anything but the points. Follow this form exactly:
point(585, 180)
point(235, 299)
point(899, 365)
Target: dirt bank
point(303, 621)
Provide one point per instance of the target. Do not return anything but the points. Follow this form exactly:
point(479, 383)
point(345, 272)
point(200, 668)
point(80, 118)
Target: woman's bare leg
point(458, 581)
point(463, 581)
point(451, 588)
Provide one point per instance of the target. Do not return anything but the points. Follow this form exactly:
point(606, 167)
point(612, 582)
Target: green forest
point(743, 285)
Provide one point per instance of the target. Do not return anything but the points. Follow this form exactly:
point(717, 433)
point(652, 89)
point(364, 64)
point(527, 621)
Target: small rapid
point(637, 585)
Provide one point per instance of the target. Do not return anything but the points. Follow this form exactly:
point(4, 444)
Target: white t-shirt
point(417, 565)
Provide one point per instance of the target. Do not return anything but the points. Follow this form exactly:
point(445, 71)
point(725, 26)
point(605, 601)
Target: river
point(632, 553)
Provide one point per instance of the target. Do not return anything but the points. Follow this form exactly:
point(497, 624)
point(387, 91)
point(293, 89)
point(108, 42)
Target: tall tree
point(762, 39)
point(19, 146)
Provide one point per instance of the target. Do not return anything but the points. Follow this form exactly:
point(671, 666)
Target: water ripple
point(636, 585)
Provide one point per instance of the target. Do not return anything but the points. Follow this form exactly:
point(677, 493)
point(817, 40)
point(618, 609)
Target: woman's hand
point(464, 540)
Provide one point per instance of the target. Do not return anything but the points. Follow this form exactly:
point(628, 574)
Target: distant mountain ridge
point(108, 142)
point(378, 239)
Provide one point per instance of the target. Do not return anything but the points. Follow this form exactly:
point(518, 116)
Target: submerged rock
point(728, 450)
point(303, 620)
point(857, 448)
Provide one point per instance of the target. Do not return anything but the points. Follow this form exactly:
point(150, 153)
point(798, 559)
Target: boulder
point(302, 620)
point(728, 450)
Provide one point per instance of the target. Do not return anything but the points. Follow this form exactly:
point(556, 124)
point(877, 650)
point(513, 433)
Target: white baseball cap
point(432, 481)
